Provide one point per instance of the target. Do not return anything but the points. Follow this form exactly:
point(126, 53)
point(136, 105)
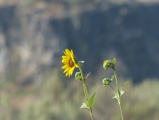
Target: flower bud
point(106, 81)
point(109, 64)
point(78, 76)
point(113, 62)
point(106, 64)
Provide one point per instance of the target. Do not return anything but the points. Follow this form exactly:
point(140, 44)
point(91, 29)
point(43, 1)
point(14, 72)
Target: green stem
point(121, 112)
point(116, 81)
point(91, 113)
point(84, 85)
point(118, 95)
point(112, 88)
point(85, 91)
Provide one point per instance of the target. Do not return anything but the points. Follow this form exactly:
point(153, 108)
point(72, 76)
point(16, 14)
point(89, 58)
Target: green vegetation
point(56, 98)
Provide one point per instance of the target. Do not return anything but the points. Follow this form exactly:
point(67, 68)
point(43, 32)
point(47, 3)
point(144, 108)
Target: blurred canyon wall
point(33, 37)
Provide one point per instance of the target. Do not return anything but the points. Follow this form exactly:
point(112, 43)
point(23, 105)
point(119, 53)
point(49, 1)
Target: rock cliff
point(32, 38)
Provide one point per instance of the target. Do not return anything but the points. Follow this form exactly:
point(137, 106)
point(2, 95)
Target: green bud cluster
point(109, 64)
point(106, 81)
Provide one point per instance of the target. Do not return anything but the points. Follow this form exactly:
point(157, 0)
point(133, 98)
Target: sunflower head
point(69, 62)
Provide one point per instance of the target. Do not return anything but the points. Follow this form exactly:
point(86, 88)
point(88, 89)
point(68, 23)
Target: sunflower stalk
point(106, 81)
point(85, 91)
point(70, 63)
point(118, 94)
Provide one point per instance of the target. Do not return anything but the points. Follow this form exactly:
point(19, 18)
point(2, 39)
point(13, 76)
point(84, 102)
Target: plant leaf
point(81, 63)
point(78, 76)
point(115, 97)
point(124, 85)
point(113, 77)
point(121, 92)
point(84, 106)
point(91, 101)
point(87, 75)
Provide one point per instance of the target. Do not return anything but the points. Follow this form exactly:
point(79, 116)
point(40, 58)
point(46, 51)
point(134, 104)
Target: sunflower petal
point(69, 62)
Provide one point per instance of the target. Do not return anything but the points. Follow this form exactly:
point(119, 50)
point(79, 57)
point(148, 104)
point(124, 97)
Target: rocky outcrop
point(32, 38)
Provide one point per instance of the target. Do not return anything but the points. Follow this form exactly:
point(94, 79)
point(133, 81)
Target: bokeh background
point(33, 36)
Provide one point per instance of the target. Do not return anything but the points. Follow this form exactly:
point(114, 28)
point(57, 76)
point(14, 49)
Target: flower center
point(71, 63)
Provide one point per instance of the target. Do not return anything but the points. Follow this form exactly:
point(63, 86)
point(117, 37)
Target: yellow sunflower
point(69, 62)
